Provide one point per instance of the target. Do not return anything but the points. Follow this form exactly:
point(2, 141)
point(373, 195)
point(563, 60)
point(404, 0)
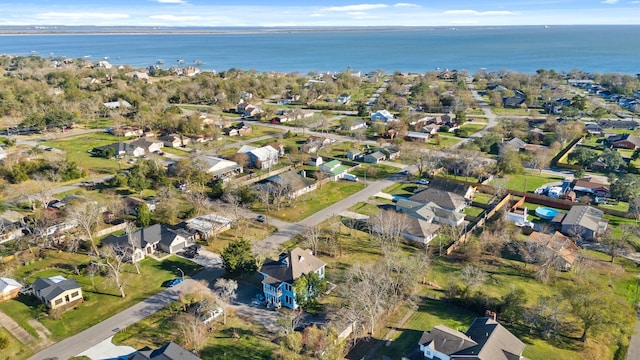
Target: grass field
point(253, 342)
point(528, 181)
point(317, 200)
point(76, 149)
point(101, 296)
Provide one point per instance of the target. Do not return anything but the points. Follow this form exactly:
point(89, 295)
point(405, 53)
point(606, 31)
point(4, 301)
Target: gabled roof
point(562, 245)
point(7, 285)
point(446, 340)
point(140, 238)
point(515, 143)
point(377, 155)
point(590, 184)
point(293, 180)
point(634, 139)
point(420, 228)
point(168, 351)
point(290, 266)
point(50, 288)
point(585, 216)
point(264, 153)
point(445, 199)
point(449, 186)
point(485, 339)
point(494, 341)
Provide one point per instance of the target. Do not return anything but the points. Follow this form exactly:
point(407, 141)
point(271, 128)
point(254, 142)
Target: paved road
point(76, 344)
point(288, 230)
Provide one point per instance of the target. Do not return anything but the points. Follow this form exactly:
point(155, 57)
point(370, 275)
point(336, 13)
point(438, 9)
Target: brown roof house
point(9, 289)
point(590, 186)
point(624, 141)
point(280, 274)
point(57, 292)
point(485, 339)
point(562, 248)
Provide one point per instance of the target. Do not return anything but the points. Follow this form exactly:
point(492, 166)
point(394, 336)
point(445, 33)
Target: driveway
point(247, 306)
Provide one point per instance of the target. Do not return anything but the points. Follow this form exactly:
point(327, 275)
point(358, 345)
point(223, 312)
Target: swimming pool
point(546, 213)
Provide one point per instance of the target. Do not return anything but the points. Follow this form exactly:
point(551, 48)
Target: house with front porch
point(261, 158)
point(279, 276)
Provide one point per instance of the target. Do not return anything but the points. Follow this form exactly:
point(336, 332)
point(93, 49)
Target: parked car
point(261, 218)
point(422, 182)
point(211, 315)
point(174, 282)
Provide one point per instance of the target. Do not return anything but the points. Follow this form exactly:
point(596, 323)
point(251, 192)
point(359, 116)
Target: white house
point(263, 158)
point(220, 168)
point(383, 115)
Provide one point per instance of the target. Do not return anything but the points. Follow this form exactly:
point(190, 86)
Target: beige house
point(57, 292)
point(9, 289)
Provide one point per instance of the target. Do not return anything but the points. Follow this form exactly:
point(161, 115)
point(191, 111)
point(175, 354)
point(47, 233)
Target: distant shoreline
point(129, 30)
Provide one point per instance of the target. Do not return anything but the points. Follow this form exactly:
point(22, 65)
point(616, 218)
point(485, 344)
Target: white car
point(211, 315)
point(422, 182)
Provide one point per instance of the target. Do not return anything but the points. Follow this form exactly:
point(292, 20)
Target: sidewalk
point(15, 329)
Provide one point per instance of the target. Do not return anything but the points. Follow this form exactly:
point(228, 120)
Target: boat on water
point(160, 62)
point(197, 62)
point(180, 61)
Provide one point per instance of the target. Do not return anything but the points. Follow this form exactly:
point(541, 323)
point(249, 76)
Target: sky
point(297, 13)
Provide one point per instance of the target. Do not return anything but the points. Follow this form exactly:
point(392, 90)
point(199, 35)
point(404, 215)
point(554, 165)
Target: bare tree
point(472, 277)
point(227, 292)
point(312, 236)
point(388, 226)
point(88, 215)
point(112, 257)
point(194, 332)
point(368, 293)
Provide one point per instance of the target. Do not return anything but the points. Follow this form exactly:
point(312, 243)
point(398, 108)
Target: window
point(74, 294)
point(58, 302)
point(287, 299)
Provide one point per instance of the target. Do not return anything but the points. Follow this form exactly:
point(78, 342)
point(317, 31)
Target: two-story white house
point(279, 276)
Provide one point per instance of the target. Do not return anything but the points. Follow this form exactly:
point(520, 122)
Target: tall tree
point(238, 257)
point(88, 215)
point(307, 288)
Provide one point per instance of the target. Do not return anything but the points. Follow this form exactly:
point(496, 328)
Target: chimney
point(491, 314)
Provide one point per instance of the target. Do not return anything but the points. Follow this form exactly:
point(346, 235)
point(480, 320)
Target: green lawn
point(247, 229)
point(528, 181)
point(102, 300)
point(175, 151)
point(402, 189)
point(473, 211)
point(473, 127)
point(14, 349)
point(483, 198)
point(76, 149)
point(254, 342)
point(365, 209)
point(442, 142)
point(317, 200)
point(379, 171)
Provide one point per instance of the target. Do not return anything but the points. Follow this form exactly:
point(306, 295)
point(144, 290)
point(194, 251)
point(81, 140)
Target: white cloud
point(610, 2)
point(172, 1)
point(360, 7)
point(174, 17)
point(81, 15)
point(477, 13)
point(405, 5)
point(356, 13)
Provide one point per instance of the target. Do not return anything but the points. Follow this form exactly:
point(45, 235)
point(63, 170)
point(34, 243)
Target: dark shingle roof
point(168, 351)
point(445, 199)
point(49, 289)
